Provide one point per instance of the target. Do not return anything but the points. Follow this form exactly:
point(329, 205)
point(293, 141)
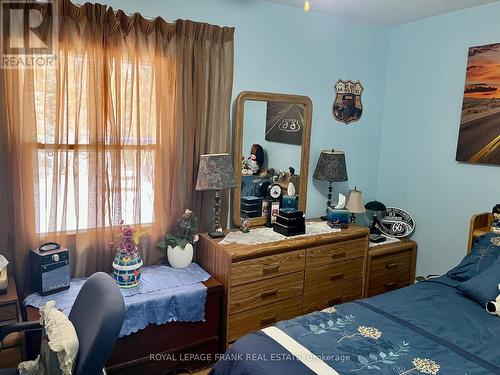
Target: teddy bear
point(493, 307)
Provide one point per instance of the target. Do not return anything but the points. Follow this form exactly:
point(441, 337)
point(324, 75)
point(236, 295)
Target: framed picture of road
point(284, 122)
point(479, 135)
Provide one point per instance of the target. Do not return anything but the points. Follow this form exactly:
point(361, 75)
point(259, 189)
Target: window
point(94, 162)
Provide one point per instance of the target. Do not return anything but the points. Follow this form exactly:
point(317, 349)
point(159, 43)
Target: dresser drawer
point(389, 272)
point(242, 323)
point(322, 297)
point(251, 295)
point(331, 275)
point(331, 254)
point(266, 267)
point(8, 313)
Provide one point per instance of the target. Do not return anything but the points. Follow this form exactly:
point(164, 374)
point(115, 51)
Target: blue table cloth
point(165, 294)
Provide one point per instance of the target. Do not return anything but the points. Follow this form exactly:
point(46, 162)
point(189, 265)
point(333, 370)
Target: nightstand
point(12, 351)
point(390, 267)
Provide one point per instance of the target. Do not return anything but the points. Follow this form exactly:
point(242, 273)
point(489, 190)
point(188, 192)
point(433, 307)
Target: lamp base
point(216, 234)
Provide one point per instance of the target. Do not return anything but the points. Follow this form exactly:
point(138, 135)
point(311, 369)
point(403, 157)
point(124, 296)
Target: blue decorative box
point(337, 218)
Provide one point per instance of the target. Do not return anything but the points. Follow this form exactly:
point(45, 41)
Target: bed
point(427, 328)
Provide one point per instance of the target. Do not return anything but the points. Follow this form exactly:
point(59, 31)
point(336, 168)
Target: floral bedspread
point(428, 328)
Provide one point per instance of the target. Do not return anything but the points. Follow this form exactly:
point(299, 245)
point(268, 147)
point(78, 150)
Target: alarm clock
point(274, 191)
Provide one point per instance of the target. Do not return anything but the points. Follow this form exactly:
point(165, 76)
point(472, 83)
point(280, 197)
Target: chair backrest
point(97, 315)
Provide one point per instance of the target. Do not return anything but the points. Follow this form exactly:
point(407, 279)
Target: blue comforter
point(427, 328)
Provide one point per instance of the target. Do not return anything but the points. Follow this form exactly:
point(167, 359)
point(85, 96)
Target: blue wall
point(418, 172)
point(413, 77)
point(284, 50)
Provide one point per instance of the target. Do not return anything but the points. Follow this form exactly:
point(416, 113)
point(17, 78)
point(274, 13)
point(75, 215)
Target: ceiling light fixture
point(306, 6)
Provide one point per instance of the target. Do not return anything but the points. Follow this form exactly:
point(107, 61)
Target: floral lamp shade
point(215, 172)
point(331, 166)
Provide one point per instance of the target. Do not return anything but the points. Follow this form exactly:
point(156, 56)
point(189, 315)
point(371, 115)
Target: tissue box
point(337, 218)
point(289, 201)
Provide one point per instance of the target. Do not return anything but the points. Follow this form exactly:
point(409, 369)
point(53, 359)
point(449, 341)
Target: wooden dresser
point(390, 267)
point(275, 281)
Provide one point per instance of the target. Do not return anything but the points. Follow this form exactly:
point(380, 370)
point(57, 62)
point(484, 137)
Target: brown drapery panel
point(113, 131)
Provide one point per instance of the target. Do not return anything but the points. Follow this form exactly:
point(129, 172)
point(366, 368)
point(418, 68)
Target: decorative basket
point(127, 271)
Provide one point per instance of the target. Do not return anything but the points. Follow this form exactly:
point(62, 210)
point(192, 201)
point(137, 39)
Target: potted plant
point(127, 262)
point(179, 246)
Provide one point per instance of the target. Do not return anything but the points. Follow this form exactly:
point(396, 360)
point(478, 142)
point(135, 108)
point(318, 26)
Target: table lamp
point(331, 167)
point(215, 173)
point(376, 207)
point(355, 203)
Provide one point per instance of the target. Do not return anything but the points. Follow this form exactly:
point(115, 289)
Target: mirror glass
point(272, 137)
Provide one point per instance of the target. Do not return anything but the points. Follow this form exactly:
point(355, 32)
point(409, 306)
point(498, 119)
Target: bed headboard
point(479, 225)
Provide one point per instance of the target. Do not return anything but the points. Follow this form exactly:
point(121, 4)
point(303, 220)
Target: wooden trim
point(238, 146)
point(479, 225)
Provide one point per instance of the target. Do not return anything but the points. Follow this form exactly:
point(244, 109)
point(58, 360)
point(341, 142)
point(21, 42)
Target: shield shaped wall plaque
point(347, 106)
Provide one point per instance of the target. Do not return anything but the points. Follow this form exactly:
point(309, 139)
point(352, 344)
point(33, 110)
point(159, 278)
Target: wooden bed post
point(479, 224)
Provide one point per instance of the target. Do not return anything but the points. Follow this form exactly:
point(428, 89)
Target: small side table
point(390, 266)
point(12, 352)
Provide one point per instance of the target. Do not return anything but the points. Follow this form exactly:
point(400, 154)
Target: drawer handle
point(390, 285)
point(270, 269)
point(338, 255)
point(391, 266)
point(269, 293)
point(337, 276)
point(335, 301)
point(268, 320)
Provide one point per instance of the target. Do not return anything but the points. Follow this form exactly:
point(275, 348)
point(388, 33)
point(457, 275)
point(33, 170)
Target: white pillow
point(59, 346)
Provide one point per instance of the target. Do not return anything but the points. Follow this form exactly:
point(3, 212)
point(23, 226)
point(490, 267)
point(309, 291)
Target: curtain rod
point(128, 13)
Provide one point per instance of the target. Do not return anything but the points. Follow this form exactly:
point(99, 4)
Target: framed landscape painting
point(479, 136)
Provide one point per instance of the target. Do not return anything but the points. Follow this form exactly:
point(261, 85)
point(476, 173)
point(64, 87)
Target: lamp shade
point(331, 166)
point(355, 203)
point(215, 172)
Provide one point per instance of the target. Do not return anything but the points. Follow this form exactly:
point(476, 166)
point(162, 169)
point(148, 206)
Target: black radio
point(49, 266)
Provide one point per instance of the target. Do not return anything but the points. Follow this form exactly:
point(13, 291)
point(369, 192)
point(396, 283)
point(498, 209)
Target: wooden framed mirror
point(277, 129)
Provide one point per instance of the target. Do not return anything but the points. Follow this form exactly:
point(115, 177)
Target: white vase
point(179, 257)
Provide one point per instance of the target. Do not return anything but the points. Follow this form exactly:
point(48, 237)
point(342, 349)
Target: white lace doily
point(266, 235)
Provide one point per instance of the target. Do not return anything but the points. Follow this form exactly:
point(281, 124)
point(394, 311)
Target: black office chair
point(97, 315)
